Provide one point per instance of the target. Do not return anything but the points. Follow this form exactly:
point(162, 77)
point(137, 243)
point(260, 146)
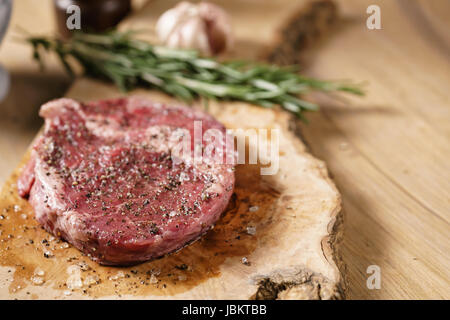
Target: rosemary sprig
point(128, 62)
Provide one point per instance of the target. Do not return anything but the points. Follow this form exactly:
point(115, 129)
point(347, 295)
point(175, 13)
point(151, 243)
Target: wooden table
point(388, 152)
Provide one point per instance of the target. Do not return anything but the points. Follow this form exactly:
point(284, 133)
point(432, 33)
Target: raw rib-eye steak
point(103, 177)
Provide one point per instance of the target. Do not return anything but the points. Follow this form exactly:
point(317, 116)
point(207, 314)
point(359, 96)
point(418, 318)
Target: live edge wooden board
point(294, 216)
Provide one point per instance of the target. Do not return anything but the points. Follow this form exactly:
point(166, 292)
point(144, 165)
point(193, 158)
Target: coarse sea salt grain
point(184, 177)
point(117, 276)
point(172, 214)
point(84, 266)
point(156, 271)
point(74, 282)
point(251, 230)
point(36, 280)
point(39, 272)
point(253, 209)
point(48, 254)
point(153, 279)
point(91, 280)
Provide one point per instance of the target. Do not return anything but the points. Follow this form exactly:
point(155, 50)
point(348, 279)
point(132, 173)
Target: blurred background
point(388, 152)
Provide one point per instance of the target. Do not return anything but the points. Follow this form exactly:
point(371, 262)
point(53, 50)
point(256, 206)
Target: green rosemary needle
point(129, 63)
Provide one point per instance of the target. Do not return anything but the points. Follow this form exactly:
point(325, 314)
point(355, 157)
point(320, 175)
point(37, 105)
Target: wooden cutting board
point(277, 239)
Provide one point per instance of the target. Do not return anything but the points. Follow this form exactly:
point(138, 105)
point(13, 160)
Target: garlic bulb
point(204, 27)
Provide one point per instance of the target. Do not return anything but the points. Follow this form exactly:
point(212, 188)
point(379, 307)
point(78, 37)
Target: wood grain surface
point(388, 152)
point(295, 214)
point(290, 254)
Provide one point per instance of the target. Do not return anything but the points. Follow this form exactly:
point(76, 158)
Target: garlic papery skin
point(204, 27)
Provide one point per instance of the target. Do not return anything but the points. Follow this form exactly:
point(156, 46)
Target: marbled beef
point(103, 177)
